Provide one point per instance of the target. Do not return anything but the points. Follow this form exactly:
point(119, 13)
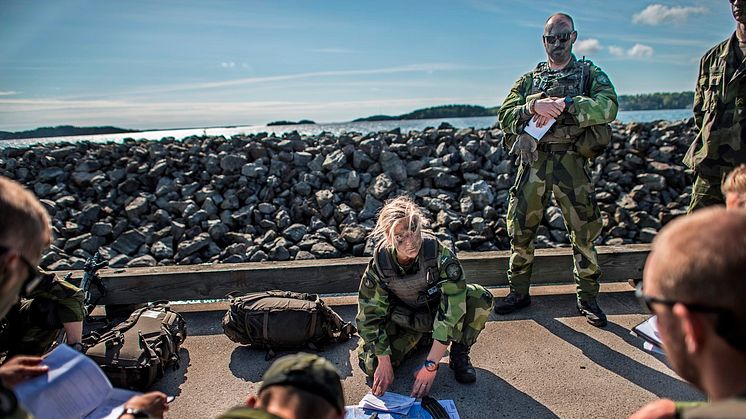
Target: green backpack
point(283, 320)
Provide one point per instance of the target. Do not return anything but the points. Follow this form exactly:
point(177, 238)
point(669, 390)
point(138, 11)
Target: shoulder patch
point(369, 283)
point(454, 271)
point(601, 78)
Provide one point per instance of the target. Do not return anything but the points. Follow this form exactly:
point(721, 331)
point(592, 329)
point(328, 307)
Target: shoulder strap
point(383, 262)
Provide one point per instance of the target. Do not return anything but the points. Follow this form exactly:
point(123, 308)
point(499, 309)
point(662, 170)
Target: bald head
point(557, 19)
point(701, 258)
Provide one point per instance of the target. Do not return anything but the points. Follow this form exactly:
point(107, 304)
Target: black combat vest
point(573, 80)
point(417, 290)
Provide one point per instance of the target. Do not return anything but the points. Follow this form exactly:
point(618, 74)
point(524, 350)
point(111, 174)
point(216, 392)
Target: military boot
point(512, 302)
point(461, 364)
point(592, 312)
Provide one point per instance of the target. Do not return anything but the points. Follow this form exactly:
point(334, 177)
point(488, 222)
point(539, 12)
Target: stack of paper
point(389, 403)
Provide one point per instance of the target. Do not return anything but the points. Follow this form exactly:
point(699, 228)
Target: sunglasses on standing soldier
point(32, 274)
point(562, 37)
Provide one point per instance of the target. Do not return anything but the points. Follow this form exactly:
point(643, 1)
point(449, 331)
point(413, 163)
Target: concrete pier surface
point(544, 361)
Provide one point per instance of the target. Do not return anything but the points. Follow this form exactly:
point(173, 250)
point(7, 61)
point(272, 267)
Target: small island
point(62, 131)
point(301, 122)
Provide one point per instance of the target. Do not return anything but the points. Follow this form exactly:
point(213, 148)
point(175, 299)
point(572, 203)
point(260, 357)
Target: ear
point(250, 400)
point(694, 328)
point(574, 36)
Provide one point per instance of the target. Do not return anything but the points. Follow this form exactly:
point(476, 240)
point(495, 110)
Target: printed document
point(74, 386)
point(536, 132)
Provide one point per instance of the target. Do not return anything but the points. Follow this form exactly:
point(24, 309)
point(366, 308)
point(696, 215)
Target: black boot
point(461, 364)
point(592, 312)
point(512, 302)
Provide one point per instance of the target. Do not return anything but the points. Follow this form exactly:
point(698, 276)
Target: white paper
point(648, 330)
point(73, 387)
point(536, 132)
point(388, 402)
point(357, 412)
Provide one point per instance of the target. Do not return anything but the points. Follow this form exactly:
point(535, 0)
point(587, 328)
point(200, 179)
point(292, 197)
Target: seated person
point(734, 188)
point(414, 288)
point(35, 322)
point(24, 233)
point(694, 282)
point(299, 386)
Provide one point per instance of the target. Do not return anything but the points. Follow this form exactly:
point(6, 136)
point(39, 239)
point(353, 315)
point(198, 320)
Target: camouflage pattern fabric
point(706, 192)
point(34, 322)
point(598, 108)
point(565, 174)
point(460, 317)
point(720, 114)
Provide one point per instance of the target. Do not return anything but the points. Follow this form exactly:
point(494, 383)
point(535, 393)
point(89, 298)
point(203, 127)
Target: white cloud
point(227, 64)
point(7, 93)
point(637, 51)
point(656, 14)
point(588, 46)
point(616, 51)
point(640, 51)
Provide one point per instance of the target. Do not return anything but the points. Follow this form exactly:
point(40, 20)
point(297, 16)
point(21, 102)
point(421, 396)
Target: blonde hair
point(25, 224)
point(735, 182)
point(399, 208)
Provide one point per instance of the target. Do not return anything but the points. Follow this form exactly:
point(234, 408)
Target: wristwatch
point(568, 101)
point(431, 366)
point(135, 413)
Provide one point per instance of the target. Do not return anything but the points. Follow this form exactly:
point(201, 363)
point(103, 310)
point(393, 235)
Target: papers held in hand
point(536, 132)
point(73, 387)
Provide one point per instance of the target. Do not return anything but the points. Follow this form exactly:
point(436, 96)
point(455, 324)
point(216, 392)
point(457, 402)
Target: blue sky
point(168, 64)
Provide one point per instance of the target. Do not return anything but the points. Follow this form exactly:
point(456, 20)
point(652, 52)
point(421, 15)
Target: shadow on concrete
point(173, 379)
point(204, 323)
point(545, 310)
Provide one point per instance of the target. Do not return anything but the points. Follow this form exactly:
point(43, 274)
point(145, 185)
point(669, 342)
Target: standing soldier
point(413, 289)
point(580, 101)
point(720, 114)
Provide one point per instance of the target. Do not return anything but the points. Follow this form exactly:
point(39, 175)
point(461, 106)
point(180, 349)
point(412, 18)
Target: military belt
point(555, 147)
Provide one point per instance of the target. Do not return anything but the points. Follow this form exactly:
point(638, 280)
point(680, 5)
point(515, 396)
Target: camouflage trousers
point(564, 174)
point(706, 192)
point(31, 327)
point(404, 341)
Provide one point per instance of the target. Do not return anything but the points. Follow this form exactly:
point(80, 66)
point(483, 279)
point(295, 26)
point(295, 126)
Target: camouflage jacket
point(374, 302)
point(68, 297)
point(719, 112)
point(600, 107)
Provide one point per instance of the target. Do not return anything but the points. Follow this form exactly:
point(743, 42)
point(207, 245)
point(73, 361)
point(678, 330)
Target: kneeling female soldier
point(414, 286)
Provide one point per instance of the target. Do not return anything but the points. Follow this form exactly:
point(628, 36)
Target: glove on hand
point(525, 148)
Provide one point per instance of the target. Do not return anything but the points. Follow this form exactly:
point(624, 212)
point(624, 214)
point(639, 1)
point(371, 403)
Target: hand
point(423, 382)
point(525, 148)
point(541, 120)
point(548, 107)
point(384, 375)
point(154, 403)
point(20, 369)
point(659, 409)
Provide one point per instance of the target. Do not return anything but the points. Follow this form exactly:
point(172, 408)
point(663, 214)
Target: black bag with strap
point(135, 352)
point(274, 320)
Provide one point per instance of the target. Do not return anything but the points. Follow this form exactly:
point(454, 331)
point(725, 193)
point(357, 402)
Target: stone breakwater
point(258, 197)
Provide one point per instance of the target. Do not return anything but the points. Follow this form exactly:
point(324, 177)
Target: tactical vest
point(417, 290)
point(573, 80)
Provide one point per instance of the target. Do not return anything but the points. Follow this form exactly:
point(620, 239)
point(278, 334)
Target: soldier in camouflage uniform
point(36, 321)
point(577, 96)
point(720, 115)
point(414, 288)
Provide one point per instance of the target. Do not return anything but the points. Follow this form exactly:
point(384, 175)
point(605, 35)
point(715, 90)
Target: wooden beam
point(331, 276)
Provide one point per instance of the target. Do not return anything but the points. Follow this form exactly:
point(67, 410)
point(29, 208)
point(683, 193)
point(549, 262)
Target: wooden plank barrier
point(330, 276)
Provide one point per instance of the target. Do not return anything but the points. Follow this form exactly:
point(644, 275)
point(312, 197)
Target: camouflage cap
point(308, 372)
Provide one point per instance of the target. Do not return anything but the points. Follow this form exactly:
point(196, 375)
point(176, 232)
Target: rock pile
point(259, 197)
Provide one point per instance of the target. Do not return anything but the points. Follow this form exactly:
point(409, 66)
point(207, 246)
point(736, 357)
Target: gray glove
point(525, 148)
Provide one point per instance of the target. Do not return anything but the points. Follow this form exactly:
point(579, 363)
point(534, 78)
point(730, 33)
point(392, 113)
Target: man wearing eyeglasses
point(576, 97)
point(720, 114)
point(695, 282)
point(24, 233)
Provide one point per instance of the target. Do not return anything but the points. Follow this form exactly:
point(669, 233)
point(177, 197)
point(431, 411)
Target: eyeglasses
point(562, 37)
point(32, 277)
point(649, 300)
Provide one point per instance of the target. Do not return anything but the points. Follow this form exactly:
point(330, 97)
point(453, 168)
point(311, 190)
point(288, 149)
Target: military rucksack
point(274, 320)
point(135, 352)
